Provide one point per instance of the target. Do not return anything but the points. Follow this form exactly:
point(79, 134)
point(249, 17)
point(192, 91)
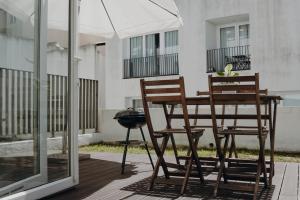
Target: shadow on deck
point(95, 174)
point(100, 179)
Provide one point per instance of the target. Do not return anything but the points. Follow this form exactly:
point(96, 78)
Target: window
point(227, 37)
point(244, 35)
point(171, 42)
point(136, 47)
point(232, 36)
point(145, 58)
point(152, 44)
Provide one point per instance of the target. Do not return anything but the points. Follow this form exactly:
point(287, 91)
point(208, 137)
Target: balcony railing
point(238, 56)
point(17, 110)
point(162, 65)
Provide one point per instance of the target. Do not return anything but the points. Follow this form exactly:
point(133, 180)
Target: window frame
point(236, 26)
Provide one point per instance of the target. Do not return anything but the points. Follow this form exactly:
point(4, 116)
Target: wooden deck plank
point(280, 169)
point(100, 178)
point(289, 189)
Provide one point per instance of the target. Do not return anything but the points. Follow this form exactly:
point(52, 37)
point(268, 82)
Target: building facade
point(254, 36)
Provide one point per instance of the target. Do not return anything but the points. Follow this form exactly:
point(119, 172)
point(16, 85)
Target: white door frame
point(73, 179)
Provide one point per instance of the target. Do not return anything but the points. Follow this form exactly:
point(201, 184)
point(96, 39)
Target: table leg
point(274, 127)
point(272, 123)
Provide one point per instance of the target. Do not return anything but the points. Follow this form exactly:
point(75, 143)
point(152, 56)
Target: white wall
point(286, 138)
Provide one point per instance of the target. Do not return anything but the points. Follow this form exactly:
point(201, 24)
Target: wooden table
point(270, 100)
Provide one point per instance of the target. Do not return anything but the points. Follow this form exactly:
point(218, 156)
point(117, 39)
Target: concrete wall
point(286, 139)
point(274, 46)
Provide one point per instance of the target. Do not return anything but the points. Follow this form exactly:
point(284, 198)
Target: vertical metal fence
point(162, 65)
point(16, 104)
point(88, 104)
point(238, 56)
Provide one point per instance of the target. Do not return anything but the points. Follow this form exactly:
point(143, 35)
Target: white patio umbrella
point(102, 18)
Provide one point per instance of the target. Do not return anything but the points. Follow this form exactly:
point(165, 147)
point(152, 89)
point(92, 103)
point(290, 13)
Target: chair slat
point(161, 99)
point(238, 88)
point(162, 82)
point(234, 97)
point(233, 79)
point(162, 90)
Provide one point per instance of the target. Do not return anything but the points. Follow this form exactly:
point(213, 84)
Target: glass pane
point(171, 42)
point(17, 111)
point(19, 136)
point(244, 35)
point(136, 47)
point(57, 104)
point(150, 45)
point(227, 37)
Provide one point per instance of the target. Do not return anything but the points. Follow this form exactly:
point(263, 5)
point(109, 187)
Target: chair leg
point(224, 154)
point(195, 157)
point(159, 162)
point(189, 149)
point(189, 164)
point(125, 151)
point(220, 173)
point(222, 166)
point(233, 148)
point(264, 167)
point(174, 149)
point(187, 175)
point(146, 147)
point(257, 179)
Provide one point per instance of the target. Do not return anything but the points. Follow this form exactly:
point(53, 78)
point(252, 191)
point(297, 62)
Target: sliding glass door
point(21, 152)
point(36, 84)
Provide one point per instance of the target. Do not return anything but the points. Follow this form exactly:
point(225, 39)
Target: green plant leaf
point(228, 69)
point(220, 73)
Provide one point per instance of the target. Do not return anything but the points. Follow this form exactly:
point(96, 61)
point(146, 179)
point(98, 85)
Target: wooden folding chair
point(232, 148)
point(166, 92)
point(241, 90)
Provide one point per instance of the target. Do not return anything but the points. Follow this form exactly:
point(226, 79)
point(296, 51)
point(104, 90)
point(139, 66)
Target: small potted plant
point(228, 71)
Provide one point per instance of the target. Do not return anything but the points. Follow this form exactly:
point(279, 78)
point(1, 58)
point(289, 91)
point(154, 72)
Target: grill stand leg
point(146, 146)
point(125, 151)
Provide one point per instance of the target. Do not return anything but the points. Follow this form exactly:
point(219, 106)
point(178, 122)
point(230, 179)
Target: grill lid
point(128, 112)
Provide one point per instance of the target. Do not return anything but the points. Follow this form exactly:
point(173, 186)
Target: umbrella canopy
point(102, 18)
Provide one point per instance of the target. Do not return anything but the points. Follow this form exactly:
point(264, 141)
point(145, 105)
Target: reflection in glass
point(19, 136)
point(136, 47)
point(57, 104)
point(244, 34)
point(227, 37)
point(22, 156)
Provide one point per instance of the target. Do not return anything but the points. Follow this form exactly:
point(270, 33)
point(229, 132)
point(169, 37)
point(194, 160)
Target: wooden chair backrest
point(240, 90)
point(164, 92)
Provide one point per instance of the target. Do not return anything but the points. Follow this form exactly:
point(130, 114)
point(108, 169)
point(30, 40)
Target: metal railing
point(238, 56)
point(17, 110)
point(162, 65)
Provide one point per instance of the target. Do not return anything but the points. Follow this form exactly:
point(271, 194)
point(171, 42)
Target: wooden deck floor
point(100, 178)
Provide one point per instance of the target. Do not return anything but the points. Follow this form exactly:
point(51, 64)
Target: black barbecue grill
point(132, 119)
